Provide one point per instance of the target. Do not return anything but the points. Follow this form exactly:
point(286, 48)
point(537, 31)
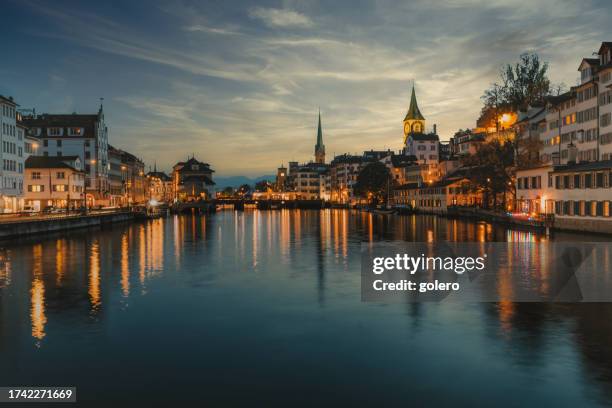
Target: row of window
point(423, 147)
point(40, 188)
point(586, 94)
point(36, 175)
point(11, 148)
point(583, 208)
point(605, 98)
point(8, 111)
point(58, 143)
point(11, 182)
point(585, 180)
point(12, 165)
point(587, 114)
point(10, 130)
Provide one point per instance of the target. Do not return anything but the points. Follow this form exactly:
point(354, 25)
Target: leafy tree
point(492, 171)
point(523, 84)
point(244, 189)
point(227, 192)
point(373, 182)
point(263, 186)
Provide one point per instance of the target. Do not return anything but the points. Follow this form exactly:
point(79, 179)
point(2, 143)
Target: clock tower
point(414, 122)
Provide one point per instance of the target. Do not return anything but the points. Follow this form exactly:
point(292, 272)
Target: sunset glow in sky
point(239, 83)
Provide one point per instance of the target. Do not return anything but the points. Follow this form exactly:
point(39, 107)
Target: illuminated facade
point(83, 135)
point(424, 146)
point(52, 181)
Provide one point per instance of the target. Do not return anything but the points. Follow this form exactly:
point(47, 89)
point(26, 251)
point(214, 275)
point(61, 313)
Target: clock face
point(418, 127)
point(406, 128)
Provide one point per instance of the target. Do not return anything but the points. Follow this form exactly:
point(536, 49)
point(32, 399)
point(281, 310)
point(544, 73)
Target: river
point(263, 308)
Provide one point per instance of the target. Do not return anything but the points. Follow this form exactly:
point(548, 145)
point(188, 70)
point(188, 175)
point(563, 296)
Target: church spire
point(320, 147)
point(413, 112)
point(319, 132)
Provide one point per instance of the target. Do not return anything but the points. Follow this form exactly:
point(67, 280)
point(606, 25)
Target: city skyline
point(239, 85)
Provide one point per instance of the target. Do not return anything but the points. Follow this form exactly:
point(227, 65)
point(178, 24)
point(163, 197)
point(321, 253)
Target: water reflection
point(125, 265)
point(37, 295)
point(307, 265)
point(94, 276)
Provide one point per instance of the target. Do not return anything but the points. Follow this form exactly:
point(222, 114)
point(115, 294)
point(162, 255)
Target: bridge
point(240, 204)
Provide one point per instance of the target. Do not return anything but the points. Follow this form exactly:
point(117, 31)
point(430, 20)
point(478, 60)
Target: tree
point(522, 84)
point(263, 186)
point(373, 182)
point(227, 192)
point(492, 170)
point(244, 189)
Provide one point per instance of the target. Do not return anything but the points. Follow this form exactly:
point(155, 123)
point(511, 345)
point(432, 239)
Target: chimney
point(435, 129)
point(572, 153)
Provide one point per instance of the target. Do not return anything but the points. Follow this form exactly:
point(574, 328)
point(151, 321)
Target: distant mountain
point(237, 181)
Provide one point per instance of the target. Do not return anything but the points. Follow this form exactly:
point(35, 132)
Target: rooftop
point(50, 162)
point(586, 166)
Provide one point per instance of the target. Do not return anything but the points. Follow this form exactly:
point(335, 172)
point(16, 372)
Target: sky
point(239, 84)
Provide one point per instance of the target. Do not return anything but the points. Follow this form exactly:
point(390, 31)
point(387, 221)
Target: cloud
point(215, 80)
point(211, 30)
point(280, 17)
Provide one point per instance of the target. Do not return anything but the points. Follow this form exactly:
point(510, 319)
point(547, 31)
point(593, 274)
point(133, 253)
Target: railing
point(40, 216)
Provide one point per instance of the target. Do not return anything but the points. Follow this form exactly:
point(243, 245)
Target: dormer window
point(34, 131)
point(195, 167)
point(75, 132)
point(585, 74)
point(54, 131)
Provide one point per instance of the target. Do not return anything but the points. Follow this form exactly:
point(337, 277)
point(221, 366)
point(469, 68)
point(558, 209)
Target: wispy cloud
point(211, 30)
point(242, 85)
point(273, 17)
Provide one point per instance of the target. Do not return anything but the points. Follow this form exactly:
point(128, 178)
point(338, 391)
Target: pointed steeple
point(413, 112)
point(319, 147)
point(319, 132)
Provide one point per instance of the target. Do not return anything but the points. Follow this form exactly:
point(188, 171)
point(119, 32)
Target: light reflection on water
point(241, 298)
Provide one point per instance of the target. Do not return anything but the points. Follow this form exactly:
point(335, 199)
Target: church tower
point(414, 122)
point(320, 147)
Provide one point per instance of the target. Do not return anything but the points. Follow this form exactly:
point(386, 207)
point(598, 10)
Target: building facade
point(83, 135)
point(424, 146)
point(160, 186)
point(54, 181)
point(343, 171)
point(12, 156)
point(579, 195)
point(192, 180)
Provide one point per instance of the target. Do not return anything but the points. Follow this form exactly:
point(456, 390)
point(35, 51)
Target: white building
point(578, 194)
point(583, 115)
point(605, 101)
point(12, 157)
point(83, 135)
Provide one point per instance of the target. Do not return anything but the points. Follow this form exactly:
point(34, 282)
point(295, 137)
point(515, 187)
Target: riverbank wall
point(30, 227)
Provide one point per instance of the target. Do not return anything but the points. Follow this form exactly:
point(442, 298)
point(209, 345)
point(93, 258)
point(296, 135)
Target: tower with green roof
point(414, 122)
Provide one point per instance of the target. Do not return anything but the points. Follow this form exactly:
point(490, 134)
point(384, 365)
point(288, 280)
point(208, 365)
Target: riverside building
point(83, 135)
point(12, 156)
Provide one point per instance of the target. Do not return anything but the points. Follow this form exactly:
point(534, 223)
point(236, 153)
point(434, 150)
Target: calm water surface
point(263, 308)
